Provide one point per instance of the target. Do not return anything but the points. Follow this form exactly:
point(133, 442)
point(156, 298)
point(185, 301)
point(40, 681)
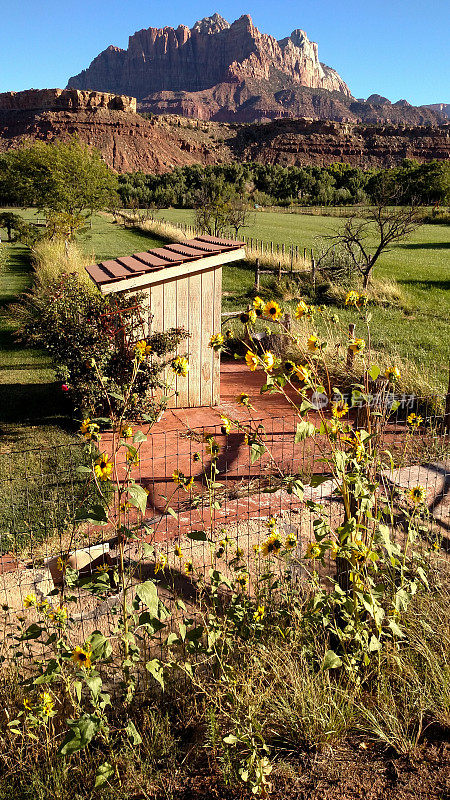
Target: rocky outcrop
point(212, 52)
point(64, 100)
point(441, 108)
point(260, 101)
point(311, 142)
point(130, 142)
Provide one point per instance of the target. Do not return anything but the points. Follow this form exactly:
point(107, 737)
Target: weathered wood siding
point(192, 302)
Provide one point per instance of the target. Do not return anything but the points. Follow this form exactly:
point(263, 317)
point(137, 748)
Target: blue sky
point(396, 48)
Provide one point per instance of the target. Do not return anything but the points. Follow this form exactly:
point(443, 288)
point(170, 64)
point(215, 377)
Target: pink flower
point(64, 387)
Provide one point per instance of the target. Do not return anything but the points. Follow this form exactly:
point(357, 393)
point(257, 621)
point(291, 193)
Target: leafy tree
point(66, 180)
point(219, 208)
point(11, 222)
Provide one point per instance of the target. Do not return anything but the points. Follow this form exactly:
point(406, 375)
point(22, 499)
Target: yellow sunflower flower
point(339, 411)
point(302, 310)
point(417, 494)
point(180, 366)
point(301, 372)
point(148, 350)
point(126, 432)
point(251, 360)
point(259, 614)
point(313, 550)
point(132, 458)
point(243, 399)
point(139, 349)
point(290, 542)
point(242, 580)
point(103, 467)
point(226, 425)
point(177, 551)
point(313, 344)
point(356, 345)
point(46, 705)
point(414, 420)
point(160, 563)
point(217, 341)
point(189, 567)
point(272, 310)
point(272, 545)
point(392, 374)
point(81, 657)
point(269, 360)
point(30, 601)
point(352, 298)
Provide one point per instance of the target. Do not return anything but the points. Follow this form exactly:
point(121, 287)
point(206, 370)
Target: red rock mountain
point(212, 53)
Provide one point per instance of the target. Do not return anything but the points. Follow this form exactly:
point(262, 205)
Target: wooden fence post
point(447, 407)
point(304, 254)
point(313, 273)
point(288, 322)
point(350, 353)
point(257, 275)
point(279, 270)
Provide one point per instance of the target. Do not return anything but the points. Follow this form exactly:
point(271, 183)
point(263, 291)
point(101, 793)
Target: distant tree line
point(261, 184)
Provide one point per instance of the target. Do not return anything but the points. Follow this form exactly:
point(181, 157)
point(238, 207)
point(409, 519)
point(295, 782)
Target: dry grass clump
point(51, 259)
point(381, 291)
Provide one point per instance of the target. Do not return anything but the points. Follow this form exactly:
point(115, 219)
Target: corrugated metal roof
point(160, 257)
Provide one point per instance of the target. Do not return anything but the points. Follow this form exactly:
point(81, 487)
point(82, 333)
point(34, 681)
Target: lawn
point(421, 265)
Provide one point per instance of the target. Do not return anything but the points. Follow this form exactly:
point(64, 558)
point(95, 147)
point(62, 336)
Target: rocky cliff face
point(64, 100)
point(130, 142)
point(212, 52)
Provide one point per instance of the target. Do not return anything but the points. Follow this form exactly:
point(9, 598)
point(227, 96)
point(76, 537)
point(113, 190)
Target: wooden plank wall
point(193, 302)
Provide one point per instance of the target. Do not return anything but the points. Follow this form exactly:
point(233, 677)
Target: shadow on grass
point(31, 404)
point(425, 246)
point(18, 265)
point(425, 284)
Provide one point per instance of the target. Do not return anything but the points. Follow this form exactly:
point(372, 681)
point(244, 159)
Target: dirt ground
point(344, 773)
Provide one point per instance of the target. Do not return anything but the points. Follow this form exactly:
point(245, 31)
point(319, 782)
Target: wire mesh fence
point(190, 527)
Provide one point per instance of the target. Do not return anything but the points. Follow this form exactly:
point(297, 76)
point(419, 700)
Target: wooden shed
point(182, 283)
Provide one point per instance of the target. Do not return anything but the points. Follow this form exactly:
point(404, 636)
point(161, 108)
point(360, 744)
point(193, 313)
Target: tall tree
point(67, 181)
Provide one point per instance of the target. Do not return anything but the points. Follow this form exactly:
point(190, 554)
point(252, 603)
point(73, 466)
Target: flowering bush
point(77, 324)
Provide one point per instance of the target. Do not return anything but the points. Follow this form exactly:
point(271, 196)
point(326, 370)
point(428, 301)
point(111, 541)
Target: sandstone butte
point(131, 142)
point(235, 73)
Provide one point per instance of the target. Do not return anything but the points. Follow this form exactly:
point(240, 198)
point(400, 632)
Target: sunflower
point(126, 432)
point(414, 420)
point(242, 580)
point(392, 374)
point(30, 601)
point(313, 550)
point(258, 305)
point(333, 548)
point(272, 524)
point(290, 542)
point(352, 298)
point(269, 360)
point(189, 567)
point(417, 494)
point(103, 467)
point(177, 551)
point(217, 341)
point(180, 366)
point(243, 399)
point(160, 563)
point(182, 480)
point(212, 448)
point(313, 344)
point(132, 457)
point(251, 360)
point(272, 545)
point(339, 411)
point(356, 345)
point(302, 310)
point(362, 301)
point(139, 349)
point(301, 372)
point(289, 367)
point(46, 703)
point(244, 317)
point(259, 614)
point(272, 310)
point(196, 456)
point(81, 657)
point(90, 430)
point(226, 425)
